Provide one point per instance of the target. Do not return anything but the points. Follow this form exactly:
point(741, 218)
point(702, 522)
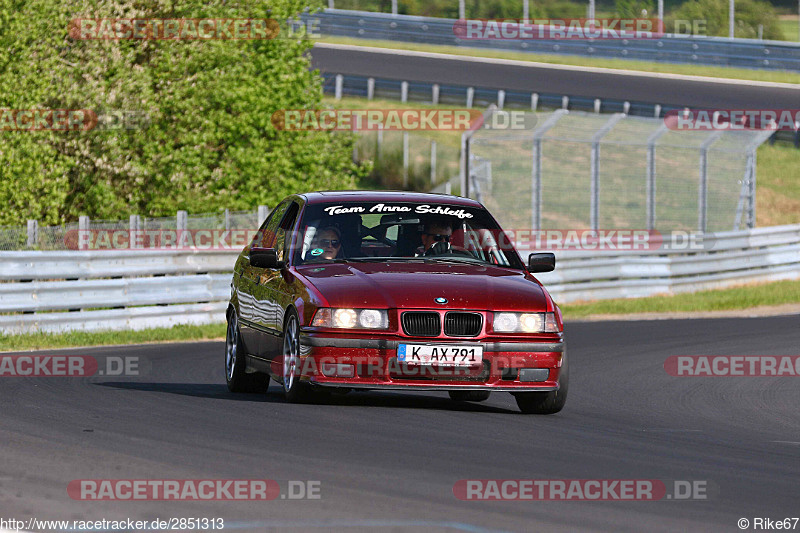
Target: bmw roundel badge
point(440, 300)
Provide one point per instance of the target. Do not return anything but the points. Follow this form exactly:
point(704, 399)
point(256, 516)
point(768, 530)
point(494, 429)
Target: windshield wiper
point(441, 259)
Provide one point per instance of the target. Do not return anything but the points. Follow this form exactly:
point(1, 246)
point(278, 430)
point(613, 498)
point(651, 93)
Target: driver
point(433, 233)
point(327, 243)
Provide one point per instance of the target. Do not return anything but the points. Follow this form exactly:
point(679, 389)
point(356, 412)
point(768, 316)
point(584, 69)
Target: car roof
point(320, 197)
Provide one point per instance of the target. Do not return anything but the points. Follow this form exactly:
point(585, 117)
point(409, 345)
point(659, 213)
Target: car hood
point(416, 285)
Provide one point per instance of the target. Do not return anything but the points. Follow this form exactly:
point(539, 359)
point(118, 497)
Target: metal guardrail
point(125, 289)
point(730, 258)
point(672, 48)
point(143, 289)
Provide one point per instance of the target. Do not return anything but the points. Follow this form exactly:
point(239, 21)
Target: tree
point(209, 141)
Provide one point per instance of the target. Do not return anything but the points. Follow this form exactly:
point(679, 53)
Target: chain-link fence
point(586, 170)
point(408, 161)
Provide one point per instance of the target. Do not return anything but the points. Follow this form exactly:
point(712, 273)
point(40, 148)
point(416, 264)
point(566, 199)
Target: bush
point(210, 143)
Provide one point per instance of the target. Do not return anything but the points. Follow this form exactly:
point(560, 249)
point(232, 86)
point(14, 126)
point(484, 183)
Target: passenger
point(327, 244)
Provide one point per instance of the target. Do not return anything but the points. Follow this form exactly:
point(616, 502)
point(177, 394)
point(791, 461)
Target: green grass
point(777, 185)
point(39, 341)
point(789, 27)
point(742, 297)
point(645, 66)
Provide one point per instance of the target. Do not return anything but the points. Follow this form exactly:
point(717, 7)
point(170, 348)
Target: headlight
point(344, 318)
point(351, 318)
point(525, 323)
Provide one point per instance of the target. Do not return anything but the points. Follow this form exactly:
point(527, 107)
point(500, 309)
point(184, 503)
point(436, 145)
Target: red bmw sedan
point(350, 290)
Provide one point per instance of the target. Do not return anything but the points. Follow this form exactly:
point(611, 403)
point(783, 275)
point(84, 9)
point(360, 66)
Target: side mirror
point(544, 262)
point(265, 258)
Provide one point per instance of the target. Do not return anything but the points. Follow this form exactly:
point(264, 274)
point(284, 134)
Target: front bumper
point(509, 366)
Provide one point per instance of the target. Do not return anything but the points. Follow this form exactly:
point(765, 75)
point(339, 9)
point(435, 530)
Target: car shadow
point(409, 400)
point(403, 400)
point(197, 390)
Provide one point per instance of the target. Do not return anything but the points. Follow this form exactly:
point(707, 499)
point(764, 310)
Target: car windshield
point(401, 231)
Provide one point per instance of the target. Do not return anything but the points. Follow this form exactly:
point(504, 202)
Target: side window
point(283, 235)
point(266, 234)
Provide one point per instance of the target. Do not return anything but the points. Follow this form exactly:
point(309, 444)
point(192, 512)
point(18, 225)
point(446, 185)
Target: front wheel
point(293, 388)
point(546, 403)
point(235, 376)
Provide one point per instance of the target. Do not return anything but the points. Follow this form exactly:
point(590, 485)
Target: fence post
point(470, 96)
point(464, 175)
point(534, 101)
point(594, 214)
point(433, 162)
point(263, 213)
point(651, 175)
point(657, 111)
point(227, 219)
point(181, 220)
point(134, 227)
point(339, 83)
point(370, 88)
point(394, 7)
point(330, 4)
point(597, 105)
point(435, 93)
point(405, 159)
point(565, 102)
point(501, 98)
point(83, 231)
point(536, 168)
point(751, 212)
point(626, 107)
point(702, 192)
point(404, 92)
point(33, 233)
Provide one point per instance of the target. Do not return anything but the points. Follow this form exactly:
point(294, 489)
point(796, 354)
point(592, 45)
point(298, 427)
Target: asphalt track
point(517, 76)
point(388, 461)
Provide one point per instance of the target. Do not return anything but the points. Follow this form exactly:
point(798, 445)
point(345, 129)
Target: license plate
point(442, 355)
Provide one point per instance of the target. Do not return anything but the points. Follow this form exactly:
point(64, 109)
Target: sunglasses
point(327, 242)
point(438, 237)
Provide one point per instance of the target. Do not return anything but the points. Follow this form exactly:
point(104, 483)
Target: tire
point(235, 376)
point(294, 389)
point(469, 395)
point(546, 403)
